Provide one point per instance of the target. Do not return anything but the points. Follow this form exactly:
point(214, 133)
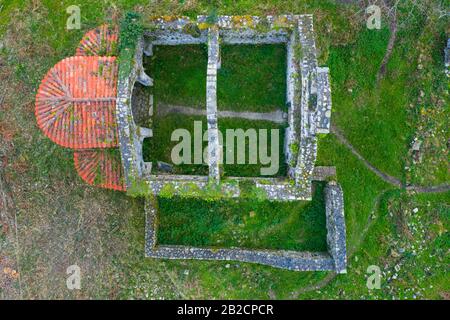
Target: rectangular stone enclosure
point(308, 101)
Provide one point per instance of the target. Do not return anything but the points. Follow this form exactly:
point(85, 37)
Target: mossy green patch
point(244, 223)
point(179, 74)
point(252, 78)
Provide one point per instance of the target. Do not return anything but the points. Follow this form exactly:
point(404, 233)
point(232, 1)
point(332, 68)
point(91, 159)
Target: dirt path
point(389, 179)
point(276, 116)
point(384, 176)
point(393, 28)
point(433, 189)
point(351, 250)
point(319, 285)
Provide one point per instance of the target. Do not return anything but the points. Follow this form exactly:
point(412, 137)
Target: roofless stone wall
point(334, 208)
point(308, 98)
point(214, 148)
point(333, 260)
point(130, 145)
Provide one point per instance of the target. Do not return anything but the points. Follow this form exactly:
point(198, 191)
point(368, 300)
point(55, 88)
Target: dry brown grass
point(60, 221)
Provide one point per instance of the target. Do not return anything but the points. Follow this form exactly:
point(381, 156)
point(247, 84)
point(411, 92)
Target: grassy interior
point(244, 223)
point(252, 170)
point(179, 74)
point(160, 146)
point(252, 78)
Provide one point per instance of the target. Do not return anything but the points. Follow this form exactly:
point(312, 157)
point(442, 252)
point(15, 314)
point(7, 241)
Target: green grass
point(252, 170)
point(252, 78)
point(5, 12)
point(419, 253)
point(179, 74)
point(361, 186)
point(244, 223)
point(159, 148)
point(430, 112)
point(373, 117)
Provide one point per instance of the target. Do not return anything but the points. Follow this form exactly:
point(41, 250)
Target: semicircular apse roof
point(101, 41)
point(76, 103)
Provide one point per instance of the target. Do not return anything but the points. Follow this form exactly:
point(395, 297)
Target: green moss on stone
point(138, 188)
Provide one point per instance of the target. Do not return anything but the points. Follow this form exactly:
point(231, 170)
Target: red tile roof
point(100, 168)
point(75, 104)
point(76, 108)
point(101, 41)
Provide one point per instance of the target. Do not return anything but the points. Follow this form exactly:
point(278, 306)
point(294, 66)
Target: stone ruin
point(308, 98)
point(94, 104)
point(309, 110)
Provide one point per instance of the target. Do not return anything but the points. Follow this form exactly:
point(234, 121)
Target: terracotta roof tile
point(100, 168)
point(75, 104)
point(101, 41)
